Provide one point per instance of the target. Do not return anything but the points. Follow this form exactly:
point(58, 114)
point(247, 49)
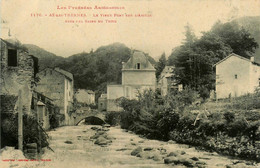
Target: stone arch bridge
point(79, 116)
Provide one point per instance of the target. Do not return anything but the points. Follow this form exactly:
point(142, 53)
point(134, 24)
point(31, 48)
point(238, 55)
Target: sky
point(159, 33)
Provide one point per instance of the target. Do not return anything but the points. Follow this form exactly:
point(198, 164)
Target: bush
point(247, 102)
point(9, 126)
point(229, 116)
point(229, 132)
point(113, 118)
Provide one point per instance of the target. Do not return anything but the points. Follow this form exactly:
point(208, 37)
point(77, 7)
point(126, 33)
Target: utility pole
point(20, 121)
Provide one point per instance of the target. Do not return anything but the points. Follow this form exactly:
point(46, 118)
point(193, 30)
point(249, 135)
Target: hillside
point(46, 58)
point(252, 24)
point(249, 23)
point(92, 70)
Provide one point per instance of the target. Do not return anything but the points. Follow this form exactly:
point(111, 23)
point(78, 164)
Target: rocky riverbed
point(94, 146)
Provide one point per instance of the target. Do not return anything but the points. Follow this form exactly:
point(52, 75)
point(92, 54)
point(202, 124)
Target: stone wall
point(20, 77)
point(59, 88)
point(51, 84)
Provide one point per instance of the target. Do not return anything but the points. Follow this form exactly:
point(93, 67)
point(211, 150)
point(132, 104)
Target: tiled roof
point(233, 54)
point(138, 57)
point(65, 73)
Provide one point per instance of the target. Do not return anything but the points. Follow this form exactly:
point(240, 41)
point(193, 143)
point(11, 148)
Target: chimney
point(123, 64)
point(252, 59)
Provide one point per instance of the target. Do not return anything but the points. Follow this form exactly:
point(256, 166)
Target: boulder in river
point(106, 125)
point(194, 158)
point(179, 160)
point(156, 157)
point(169, 159)
point(68, 142)
point(148, 149)
point(173, 154)
point(136, 151)
point(102, 141)
point(171, 142)
point(94, 128)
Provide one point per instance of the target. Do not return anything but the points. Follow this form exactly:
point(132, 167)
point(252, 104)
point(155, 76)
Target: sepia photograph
point(130, 83)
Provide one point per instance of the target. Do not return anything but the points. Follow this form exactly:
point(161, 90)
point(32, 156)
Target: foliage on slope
point(180, 117)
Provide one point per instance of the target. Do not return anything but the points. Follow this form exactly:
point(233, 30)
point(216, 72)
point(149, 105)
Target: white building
point(138, 74)
point(236, 76)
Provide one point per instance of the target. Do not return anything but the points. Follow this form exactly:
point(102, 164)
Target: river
point(74, 148)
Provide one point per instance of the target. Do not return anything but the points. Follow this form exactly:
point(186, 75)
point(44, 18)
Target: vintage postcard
point(130, 83)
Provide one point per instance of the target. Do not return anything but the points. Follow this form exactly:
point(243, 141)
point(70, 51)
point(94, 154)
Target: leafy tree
point(194, 59)
point(160, 65)
point(236, 37)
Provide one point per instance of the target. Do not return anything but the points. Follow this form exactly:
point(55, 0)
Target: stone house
point(167, 82)
point(58, 85)
point(102, 102)
point(18, 71)
point(85, 97)
point(138, 74)
point(236, 76)
point(44, 108)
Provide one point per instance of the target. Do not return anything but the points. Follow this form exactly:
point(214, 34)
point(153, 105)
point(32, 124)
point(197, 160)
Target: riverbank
point(230, 127)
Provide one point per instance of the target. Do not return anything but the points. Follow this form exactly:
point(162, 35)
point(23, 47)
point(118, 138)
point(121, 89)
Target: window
point(235, 76)
point(138, 66)
point(12, 57)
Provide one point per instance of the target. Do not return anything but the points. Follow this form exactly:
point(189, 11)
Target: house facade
point(102, 102)
point(236, 76)
point(45, 110)
point(138, 74)
point(18, 71)
point(85, 97)
point(58, 84)
point(165, 82)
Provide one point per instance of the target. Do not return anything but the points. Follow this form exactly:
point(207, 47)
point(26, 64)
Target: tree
point(160, 65)
point(194, 59)
point(238, 38)
point(190, 37)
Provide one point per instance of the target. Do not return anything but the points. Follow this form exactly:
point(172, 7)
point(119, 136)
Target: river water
point(81, 152)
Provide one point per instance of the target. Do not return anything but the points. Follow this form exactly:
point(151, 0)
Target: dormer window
point(138, 66)
point(12, 57)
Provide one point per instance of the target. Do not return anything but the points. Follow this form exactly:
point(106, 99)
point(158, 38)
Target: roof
point(233, 54)
point(65, 73)
point(168, 69)
point(90, 92)
point(138, 57)
point(167, 72)
point(62, 72)
point(87, 91)
point(103, 96)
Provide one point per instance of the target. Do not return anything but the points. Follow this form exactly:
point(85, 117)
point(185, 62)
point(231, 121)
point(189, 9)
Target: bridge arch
point(94, 114)
point(92, 120)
